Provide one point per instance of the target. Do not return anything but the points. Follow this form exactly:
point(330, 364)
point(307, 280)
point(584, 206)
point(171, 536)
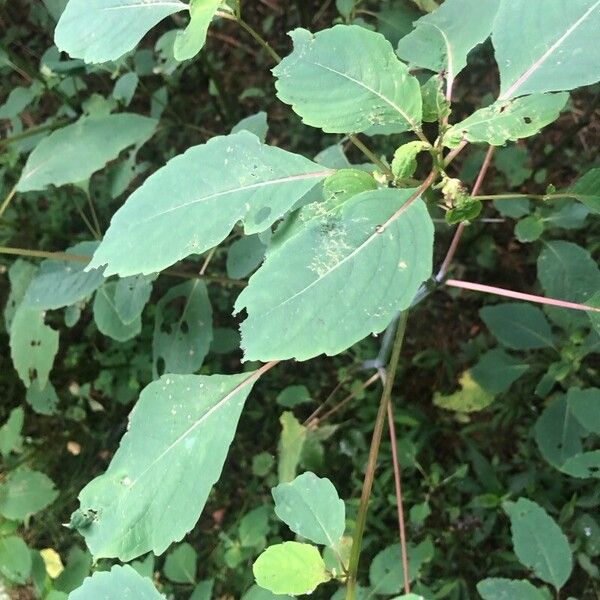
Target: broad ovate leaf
point(159, 479)
point(192, 203)
point(496, 371)
point(107, 318)
point(290, 568)
point(507, 120)
point(101, 30)
point(347, 79)
point(496, 588)
point(370, 253)
point(190, 41)
point(585, 406)
point(310, 506)
point(73, 153)
point(539, 543)
point(24, 493)
point(131, 296)
point(120, 583)
point(546, 50)
point(442, 39)
point(60, 283)
point(15, 559)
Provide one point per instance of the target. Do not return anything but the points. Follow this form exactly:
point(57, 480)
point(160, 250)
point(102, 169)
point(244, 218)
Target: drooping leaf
point(11, 439)
point(131, 296)
point(43, 401)
point(182, 329)
point(558, 52)
point(585, 406)
point(15, 559)
point(371, 253)
point(125, 88)
point(201, 194)
point(442, 39)
point(568, 272)
point(24, 493)
point(33, 346)
point(108, 319)
point(290, 568)
point(496, 371)
point(496, 588)
point(538, 542)
point(310, 506)
point(61, 283)
point(291, 443)
point(101, 30)
point(190, 41)
point(347, 79)
point(507, 120)
point(73, 153)
point(180, 564)
point(120, 583)
point(256, 124)
point(518, 325)
point(470, 398)
point(404, 163)
point(20, 275)
point(159, 479)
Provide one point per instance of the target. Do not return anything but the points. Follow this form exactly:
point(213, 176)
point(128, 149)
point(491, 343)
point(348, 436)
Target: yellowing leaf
point(470, 398)
point(53, 562)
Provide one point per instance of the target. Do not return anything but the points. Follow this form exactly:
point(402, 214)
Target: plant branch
point(371, 156)
point(8, 199)
point(560, 196)
point(361, 518)
point(34, 131)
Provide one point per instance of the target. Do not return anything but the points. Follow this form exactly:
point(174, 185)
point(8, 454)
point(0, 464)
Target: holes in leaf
point(528, 120)
point(160, 365)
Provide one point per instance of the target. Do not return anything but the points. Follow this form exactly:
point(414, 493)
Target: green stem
point(94, 214)
point(361, 518)
point(95, 234)
point(33, 131)
point(8, 200)
point(531, 196)
point(372, 156)
point(225, 15)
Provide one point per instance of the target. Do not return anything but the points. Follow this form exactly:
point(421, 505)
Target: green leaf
point(182, 329)
point(256, 124)
point(497, 588)
point(404, 163)
point(496, 371)
point(159, 479)
point(131, 296)
point(470, 398)
point(254, 527)
point(20, 275)
point(568, 272)
point(558, 52)
point(342, 252)
point(293, 395)
point(201, 195)
point(583, 465)
point(587, 190)
point(435, 104)
point(346, 183)
point(72, 154)
point(24, 493)
point(395, 20)
point(539, 543)
point(60, 283)
point(203, 591)
point(79, 563)
point(244, 256)
point(258, 593)
point(15, 559)
point(180, 564)
point(585, 406)
point(529, 229)
point(442, 40)
point(310, 506)
point(507, 120)
point(189, 42)
point(518, 325)
point(11, 439)
point(291, 443)
point(107, 318)
point(125, 87)
point(290, 568)
point(101, 30)
point(120, 583)
point(33, 346)
point(386, 573)
point(347, 79)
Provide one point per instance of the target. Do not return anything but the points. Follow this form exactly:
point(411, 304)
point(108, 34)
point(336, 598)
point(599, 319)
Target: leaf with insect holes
point(131, 296)
point(120, 583)
point(190, 41)
point(74, 153)
point(546, 50)
point(539, 543)
point(342, 252)
point(177, 440)
point(108, 319)
point(201, 195)
point(442, 39)
point(347, 79)
point(507, 120)
point(101, 30)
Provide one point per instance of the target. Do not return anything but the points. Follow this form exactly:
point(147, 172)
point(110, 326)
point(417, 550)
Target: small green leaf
point(103, 30)
point(529, 229)
point(180, 564)
point(189, 42)
point(496, 371)
point(539, 543)
point(293, 395)
point(258, 593)
point(310, 506)
point(585, 406)
point(346, 183)
point(120, 583)
point(256, 124)
point(131, 296)
point(587, 190)
point(291, 443)
point(404, 163)
point(244, 256)
point(178, 437)
point(204, 590)
point(347, 79)
point(24, 493)
point(518, 325)
point(290, 568)
point(15, 559)
point(508, 589)
point(11, 439)
point(254, 527)
point(72, 154)
point(583, 465)
point(107, 318)
point(20, 275)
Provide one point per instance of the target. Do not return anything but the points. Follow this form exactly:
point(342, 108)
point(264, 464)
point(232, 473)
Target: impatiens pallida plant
point(348, 250)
